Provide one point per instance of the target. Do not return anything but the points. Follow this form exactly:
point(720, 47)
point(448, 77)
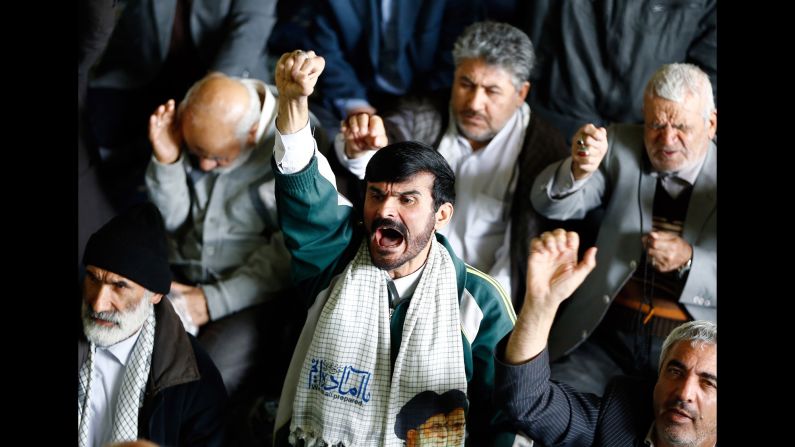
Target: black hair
point(400, 161)
point(424, 405)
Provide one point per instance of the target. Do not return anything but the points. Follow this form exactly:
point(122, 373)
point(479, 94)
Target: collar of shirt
point(405, 285)
point(688, 174)
point(677, 181)
point(267, 117)
point(458, 146)
point(649, 436)
point(122, 350)
point(485, 183)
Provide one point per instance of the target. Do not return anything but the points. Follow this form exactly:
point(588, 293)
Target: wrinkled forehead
point(480, 67)
point(698, 355)
point(107, 275)
point(660, 109)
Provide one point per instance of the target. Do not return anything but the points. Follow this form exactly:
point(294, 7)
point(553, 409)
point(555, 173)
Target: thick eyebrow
point(374, 189)
point(703, 375)
point(676, 363)
point(466, 78)
point(412, 192)
point(708, 376)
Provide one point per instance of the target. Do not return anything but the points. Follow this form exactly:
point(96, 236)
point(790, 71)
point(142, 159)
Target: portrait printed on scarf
point(432, 419)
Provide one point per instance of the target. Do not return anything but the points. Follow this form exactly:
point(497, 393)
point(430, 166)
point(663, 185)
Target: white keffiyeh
point(346, 394)
point(131, 394)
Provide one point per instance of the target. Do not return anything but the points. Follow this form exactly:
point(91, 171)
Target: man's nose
point(102, 301)
point(669, 135)
point(476, 99)
point(688, 388)
point(387, 208)
point(207, 164)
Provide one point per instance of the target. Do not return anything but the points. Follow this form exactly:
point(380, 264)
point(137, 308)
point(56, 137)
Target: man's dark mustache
point(469, 113)
point(682, 406)
point(388, 223)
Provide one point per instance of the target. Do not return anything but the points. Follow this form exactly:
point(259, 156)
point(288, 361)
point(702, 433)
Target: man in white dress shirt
point(486, 132)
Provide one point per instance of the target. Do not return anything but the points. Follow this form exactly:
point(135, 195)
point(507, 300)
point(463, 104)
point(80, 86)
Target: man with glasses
point(210, 177)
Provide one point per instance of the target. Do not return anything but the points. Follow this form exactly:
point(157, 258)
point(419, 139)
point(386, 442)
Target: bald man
point(211, 178)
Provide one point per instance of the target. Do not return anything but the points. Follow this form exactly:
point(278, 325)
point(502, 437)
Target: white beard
point(127, 322)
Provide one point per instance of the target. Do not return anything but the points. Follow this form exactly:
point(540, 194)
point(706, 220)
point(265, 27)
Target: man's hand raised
point(296, 76)
point(363, 132)
point(297, 73)
point(553, 274)
point(164, 133)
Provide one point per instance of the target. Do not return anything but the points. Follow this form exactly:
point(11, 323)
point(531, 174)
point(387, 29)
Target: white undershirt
point(109, 365)
point(485, 181)
point(405, 285)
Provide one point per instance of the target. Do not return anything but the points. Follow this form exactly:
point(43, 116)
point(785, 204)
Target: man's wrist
point(292, 115)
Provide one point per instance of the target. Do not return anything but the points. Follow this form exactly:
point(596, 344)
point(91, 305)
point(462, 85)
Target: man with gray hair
point(211, 178)
point(678, 408)
point(657, 241)
point(486, 132)
point(140, 376)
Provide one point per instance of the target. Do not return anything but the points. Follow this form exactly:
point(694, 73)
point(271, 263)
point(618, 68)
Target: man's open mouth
point(388, 237)
point(388, 233)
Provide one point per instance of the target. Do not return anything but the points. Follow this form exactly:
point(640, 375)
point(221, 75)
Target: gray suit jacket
point(624, 182)
point(230, 36)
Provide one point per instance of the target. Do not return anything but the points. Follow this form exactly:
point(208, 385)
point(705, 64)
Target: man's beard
point(485, 135)
point(415, 243)
point(127, 322)
point(678, 435)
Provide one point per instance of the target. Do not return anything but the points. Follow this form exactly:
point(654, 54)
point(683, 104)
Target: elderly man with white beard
point(140, 375)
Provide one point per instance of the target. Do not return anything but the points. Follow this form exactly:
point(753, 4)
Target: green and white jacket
point(322, 233)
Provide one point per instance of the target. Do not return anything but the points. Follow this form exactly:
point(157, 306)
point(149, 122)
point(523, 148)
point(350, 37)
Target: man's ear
point(252, 134)
point(156, 298)
point(713, 124)
point(523, 91)
point(443, 215)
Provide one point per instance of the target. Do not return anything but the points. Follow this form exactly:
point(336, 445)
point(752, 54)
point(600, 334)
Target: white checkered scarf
point(131, 395)
point(352, 338)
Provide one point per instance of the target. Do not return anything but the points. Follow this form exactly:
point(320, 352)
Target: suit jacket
point(554, 413)
point(426, 120)
point(347, 33)
point(624, 182)
point(229, 35)
point(595, 58)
